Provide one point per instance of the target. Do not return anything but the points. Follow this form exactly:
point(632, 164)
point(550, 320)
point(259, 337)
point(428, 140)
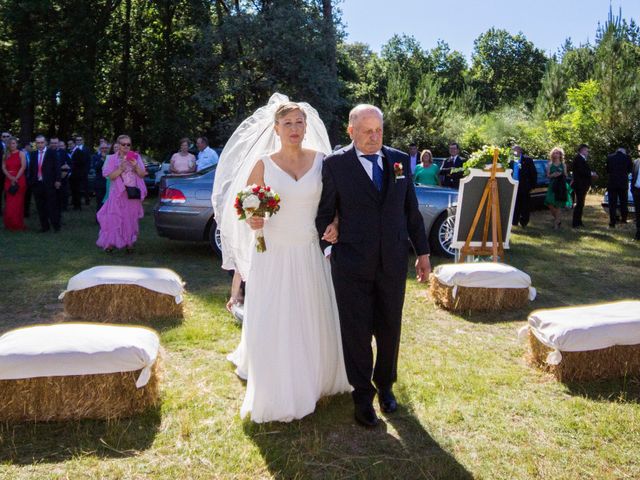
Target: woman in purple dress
point(119, 216)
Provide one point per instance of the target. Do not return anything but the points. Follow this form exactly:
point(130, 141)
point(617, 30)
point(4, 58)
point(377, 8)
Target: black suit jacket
point(581, 173)
point(451, 179)
point(528, 176)
point(374, 226)
point(619, 167)
point(50, 168)
point(80, 162)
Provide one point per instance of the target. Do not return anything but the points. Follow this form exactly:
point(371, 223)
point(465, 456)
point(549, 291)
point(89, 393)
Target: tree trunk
point(119, 122)
point(332, 69)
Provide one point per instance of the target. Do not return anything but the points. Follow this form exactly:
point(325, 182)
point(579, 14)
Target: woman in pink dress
point(119, 216)
point(183, 162)
point(14, 165)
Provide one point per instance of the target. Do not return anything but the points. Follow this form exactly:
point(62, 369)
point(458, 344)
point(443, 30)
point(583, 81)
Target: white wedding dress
point(291, 350)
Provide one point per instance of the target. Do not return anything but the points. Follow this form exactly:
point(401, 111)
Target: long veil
point(254, 138)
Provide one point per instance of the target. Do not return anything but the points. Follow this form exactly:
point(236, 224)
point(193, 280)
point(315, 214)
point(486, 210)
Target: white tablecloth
point(483, 275)
point(161, 280)
point(591, 327)
point(77, 349)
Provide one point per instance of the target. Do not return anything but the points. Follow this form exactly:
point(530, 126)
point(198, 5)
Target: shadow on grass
point(329, 444)
point(618, 390)
point(33, 443)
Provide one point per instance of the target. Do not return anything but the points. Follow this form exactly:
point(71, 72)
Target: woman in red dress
point(14, 166)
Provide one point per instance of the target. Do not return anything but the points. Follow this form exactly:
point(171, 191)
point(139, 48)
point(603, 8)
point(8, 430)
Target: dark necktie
point(377, 171)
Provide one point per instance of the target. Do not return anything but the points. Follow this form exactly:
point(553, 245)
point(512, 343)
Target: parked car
point(184, 212)
point(630, 203)
point(152, 168)
point(542, 183)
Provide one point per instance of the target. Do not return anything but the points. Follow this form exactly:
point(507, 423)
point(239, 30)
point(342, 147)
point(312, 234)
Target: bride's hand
point(331, 233)
point(255, 223)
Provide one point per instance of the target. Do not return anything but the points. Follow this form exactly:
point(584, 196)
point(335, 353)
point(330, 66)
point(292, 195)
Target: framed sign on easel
point(485, 208)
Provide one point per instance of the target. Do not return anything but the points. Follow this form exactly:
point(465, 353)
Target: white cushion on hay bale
point(76, 370)
point(480, 286)
point(122, 294)
point(586, 342)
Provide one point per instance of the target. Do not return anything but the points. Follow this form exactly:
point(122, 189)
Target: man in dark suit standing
point(44, 179)
point(79, 181)
point(413, 157)
point(524, 171)
point(369, 186)
point(581, 183)
point(4, 138)
point(635, 191)
point(449, 178)
point(619, 167)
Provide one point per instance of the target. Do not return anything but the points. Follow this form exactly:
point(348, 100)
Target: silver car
point(184, 212)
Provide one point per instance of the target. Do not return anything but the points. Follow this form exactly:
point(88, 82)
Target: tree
point(506, 68)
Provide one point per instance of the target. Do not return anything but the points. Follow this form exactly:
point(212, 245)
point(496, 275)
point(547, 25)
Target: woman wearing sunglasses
point(122, 210)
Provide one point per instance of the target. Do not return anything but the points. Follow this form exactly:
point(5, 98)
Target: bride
point(290, 352)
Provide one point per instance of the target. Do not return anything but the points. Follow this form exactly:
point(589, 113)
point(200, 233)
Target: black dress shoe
point(365, 415)
point(43, 230)
point(387, 399)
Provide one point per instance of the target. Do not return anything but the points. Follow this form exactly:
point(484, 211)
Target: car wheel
point(214, 238)
point(441, 234)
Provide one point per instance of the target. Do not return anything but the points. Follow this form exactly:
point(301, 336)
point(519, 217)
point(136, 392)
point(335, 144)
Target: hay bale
point(75, 397)
point(604, 363)
point(121, 303)
point(477, 299)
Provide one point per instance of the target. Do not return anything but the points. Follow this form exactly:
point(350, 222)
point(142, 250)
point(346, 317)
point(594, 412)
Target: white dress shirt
point(206, 158)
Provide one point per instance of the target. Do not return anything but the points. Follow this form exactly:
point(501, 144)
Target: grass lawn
point(470, 405)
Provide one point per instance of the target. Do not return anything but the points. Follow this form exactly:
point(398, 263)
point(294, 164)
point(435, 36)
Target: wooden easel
point(490, 203)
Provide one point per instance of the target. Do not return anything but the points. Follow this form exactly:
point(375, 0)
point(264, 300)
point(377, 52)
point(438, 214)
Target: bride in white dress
point(291, 350)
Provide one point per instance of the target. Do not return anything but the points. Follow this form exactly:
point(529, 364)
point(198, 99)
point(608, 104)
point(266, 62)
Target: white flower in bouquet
point(251, 202)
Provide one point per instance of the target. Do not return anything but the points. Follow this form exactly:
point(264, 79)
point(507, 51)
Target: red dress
point(14, 204)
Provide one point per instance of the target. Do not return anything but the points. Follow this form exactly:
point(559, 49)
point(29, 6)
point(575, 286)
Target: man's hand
point(57, 185)
point(423, 268)
point(331, 233)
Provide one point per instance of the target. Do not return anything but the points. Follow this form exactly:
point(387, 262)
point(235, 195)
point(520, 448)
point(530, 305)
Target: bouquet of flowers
point(258, 201)
point(483, 158)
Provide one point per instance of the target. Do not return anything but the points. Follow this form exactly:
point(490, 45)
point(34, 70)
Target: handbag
point(133, 193)
point(13, 189)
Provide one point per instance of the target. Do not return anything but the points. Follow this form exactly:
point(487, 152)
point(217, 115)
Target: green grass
point(471, 407)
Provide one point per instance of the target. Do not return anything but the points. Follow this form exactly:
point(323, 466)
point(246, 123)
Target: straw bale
point(102, 396)
point(600, 364)
point(120, 304)
point(471, 298)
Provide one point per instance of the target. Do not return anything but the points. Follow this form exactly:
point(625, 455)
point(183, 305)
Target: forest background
point(161, 70)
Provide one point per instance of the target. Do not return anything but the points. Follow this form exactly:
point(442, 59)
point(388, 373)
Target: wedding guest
point(581, 182)
point(26, 149)
point(619, 167)
point(524, 171)
point(14, 165)
point(635, 191)
point(119, 216)
point(100, 182)
point(64, 160)
point(428, 172)
point(44, 178)
point(207, 156)
point(182, 161)
point(449, 178)
point(558, 193)
point(4, 138)
point(71, 144)
point(79, 181)
point(413, 157)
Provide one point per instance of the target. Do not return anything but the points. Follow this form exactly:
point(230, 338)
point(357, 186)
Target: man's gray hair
point(359, 110)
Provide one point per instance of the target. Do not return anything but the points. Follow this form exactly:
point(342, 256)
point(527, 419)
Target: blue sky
point(546, 23)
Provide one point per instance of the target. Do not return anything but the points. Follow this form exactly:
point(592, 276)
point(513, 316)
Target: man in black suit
point(449, 178)
point(619, 167)
point(635, 191)
point(524, 171)
point(79, 181)
point(369, 186)
point(44, 179)
point(4, 138)
point(581, 183)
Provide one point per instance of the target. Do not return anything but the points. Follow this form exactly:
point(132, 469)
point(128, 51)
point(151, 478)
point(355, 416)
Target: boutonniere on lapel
point(397, 171)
